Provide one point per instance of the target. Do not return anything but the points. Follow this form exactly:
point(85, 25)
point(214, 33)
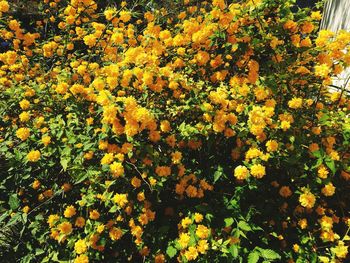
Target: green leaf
point(317, 154)
point(218, 174)
point(331, 165)
point(318, 163)
point(253, 257)
point(3, 216)
point(244, 226)
point(64, 162)
point(270, 254)
point(228, 221)
point(39, 251)
point(234, 251)
point(24, 218)
point(171, 251)
point(324, 118)
point(81, 177)
point(13, 201)
point(113, 209)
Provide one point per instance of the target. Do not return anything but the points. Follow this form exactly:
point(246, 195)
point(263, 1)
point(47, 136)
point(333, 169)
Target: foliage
point(193, 131)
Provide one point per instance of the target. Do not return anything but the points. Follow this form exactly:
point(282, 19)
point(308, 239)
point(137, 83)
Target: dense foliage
point(172, 131)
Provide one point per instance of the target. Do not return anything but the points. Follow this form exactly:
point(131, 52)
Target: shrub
point(201, 131)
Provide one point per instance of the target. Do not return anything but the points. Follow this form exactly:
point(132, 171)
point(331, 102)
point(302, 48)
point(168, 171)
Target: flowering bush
point(198, 131)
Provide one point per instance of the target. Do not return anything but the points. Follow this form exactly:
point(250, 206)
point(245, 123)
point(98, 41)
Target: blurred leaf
point(13, 201)
point(171, 251)
point(253, 257)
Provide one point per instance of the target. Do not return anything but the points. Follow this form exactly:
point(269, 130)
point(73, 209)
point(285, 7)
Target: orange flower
point(94, 214)
point(65, 228)
point(285, 191)
point(290, 25)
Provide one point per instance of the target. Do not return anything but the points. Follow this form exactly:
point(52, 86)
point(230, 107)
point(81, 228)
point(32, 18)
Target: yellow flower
point(328, 189)
point(116, 169)
point(109, 13)
point(152, 181)
point(90, 40)
point(198, 217)
point(322, 172)
point(107, 158)
point(241, 172)
point(322, 70)
point(295, 103)
point(80, 246)
point(124, 16)
point(89, 155)
point(316, 15)
point(191, 253)
point(285, 125)
point(202, 246)
point(202, 231)
point(334, 155)
point(271, 145)
point(257, 170)
point(36, 184)
point(69, 212)
point(120, 199)
point(115, 233)
point(326, 223)
point(81, 259)
point(186, 222)
point(4, 6)
point(26, 209)
point(23, 133)
point(307, 199)
point(184, 239)
point(117, 38)
point(33, 156)
point(24, 116)
point(24, 104)
point(52, 219)
point(302, 223)
point(341, 250)
point(46, 140)
point(296, 248)
point(253, 153)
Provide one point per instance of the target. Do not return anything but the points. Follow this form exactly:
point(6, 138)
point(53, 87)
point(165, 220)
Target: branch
point(138, 171)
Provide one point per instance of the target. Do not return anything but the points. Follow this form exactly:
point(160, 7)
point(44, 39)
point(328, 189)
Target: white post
point(336, 16)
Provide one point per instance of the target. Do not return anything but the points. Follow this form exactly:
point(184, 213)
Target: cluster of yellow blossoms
point(120, 120)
